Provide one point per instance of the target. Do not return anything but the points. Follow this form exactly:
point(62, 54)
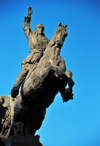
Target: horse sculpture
point(40, 88)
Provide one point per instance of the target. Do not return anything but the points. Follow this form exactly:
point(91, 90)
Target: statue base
point(19, 140)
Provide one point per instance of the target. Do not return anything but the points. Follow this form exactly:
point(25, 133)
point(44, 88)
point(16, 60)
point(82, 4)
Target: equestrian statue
point(43, 74)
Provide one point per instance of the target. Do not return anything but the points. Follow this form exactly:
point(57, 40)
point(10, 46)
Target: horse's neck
point(52, 53)
point(55, 53)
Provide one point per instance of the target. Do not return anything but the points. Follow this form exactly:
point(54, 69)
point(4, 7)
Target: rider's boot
point(18, 82)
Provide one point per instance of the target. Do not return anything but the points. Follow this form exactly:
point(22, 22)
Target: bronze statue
point(43, 75)
point(37, 44)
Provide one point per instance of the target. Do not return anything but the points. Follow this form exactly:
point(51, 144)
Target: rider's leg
point(21, 77)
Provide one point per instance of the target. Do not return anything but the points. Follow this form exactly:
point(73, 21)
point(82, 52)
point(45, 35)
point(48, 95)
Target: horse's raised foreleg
point(52, 69)
point(58, 72)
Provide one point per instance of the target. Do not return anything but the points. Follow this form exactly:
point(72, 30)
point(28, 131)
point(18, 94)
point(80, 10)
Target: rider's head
point(39, 29)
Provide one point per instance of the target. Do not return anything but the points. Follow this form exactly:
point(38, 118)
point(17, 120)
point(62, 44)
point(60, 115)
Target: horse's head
point(59, 36)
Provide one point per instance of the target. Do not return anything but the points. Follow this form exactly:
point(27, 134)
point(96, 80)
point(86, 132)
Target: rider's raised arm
point(26, 24)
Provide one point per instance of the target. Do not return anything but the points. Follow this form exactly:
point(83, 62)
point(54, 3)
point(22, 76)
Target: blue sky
point(77, 122)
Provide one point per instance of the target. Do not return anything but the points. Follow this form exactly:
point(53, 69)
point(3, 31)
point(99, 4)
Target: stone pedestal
point(24, 141)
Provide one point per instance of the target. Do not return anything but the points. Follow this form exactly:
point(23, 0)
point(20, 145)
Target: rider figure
point(37, 44)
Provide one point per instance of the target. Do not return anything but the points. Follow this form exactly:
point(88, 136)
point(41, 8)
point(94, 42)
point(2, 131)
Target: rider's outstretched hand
point(29, 11)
